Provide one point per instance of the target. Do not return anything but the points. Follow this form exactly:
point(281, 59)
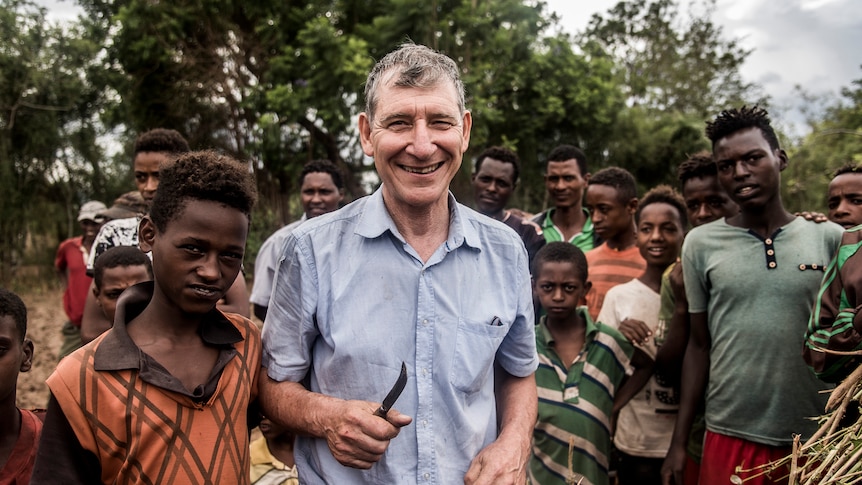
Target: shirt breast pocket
point(476, 345)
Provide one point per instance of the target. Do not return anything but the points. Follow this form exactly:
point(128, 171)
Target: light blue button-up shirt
point(352, 300)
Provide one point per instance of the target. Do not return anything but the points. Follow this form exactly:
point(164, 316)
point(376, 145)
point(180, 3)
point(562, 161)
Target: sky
point(816, 44)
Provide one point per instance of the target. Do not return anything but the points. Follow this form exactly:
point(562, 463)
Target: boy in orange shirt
point(164, 396)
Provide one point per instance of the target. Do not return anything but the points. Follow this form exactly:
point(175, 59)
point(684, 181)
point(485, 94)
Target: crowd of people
point(600, 341)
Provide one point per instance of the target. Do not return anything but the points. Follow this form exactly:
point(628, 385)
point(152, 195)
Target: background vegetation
point(279, 83)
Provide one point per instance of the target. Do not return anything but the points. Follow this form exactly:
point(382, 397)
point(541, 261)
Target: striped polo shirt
point(575, 405)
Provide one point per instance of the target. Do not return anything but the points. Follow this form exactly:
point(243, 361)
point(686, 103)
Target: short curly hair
point(568, 152)
point(849, 167)
point(322, 166)
point(161, 140)
point(561, 252)
point(733, 120)
point(504, 155)
point(620, 179)
point(699, 165)
point(11, 305)
point(202, 175)
point(667, 195)
point(120, 256)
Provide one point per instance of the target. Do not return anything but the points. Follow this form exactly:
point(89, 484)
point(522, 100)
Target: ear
point(467, 123)
point(783, 161)
point(587, 177)
point(587, 287)
point(365, 134)
point(632, 205)
point(340, 195)
point(147, 234)
point(96, 291)
point(27, 362)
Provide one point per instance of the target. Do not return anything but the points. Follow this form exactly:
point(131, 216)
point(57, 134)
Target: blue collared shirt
point(352, 300)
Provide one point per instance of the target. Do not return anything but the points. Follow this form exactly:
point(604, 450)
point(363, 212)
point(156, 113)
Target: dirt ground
point(45, 317)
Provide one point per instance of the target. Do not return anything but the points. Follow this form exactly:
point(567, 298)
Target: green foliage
point(835, 140)
point(669, 63)
point(49, 159)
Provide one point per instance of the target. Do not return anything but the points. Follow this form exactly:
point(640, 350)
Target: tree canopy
point(281, 83)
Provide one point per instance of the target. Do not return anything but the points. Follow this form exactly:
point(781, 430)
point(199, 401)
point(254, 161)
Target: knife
point(390, 398)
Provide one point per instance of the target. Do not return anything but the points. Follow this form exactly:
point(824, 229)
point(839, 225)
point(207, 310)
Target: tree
point(835, 140)
point(48, 129)
point(668, 63)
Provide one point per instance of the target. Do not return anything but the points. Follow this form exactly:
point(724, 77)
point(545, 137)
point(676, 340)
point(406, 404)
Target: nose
point(842, 209)
point(422, 145)
point(151, 185)
point(740, 169)
point(557, 295)
point(656, 234)
point(209, 268)
point(703, 212)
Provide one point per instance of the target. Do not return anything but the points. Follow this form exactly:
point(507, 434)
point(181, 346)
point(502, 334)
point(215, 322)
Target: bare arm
point(668, 359)
point(356, 437)
point(505, 460)
point(644, 367)
point(94, 322)
point(695, 372)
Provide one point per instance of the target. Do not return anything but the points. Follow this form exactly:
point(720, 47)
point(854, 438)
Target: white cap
point(90, 210)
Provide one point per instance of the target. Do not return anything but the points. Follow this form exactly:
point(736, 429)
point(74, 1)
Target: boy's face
point(748, 168)
point(114, 281)
point(659, 234)
point(565, 183)
point(706, 200)
point(146, 169)
point(16, 355)
point(198, 256)
point(271, 430)
point(559, 288)
point(845, 199)
point(610, 215)
point(319, 194)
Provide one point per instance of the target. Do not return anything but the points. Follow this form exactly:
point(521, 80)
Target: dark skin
point(16, 355)
point(749, 170)
point(659, 239)
point(195, 260)
point(566, 184)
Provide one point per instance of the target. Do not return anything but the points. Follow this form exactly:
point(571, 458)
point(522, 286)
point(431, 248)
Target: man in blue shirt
point(405, 275)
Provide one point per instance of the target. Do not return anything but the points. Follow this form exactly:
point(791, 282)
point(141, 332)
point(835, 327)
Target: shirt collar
point(375, 220)
point(548, 338)
point(117, 350)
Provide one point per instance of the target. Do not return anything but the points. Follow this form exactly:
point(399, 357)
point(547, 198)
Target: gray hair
point(416, 66)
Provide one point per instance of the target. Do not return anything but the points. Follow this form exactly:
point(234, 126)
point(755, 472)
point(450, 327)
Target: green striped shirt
point(575, 405)
point(835, 321)
point(583, 240)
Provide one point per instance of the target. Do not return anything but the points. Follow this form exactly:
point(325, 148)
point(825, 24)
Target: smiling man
point(566, 178)
point(494, 181)
point(750, 279)
point(406, 275)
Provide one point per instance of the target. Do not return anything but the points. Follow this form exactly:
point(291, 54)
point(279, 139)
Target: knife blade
point(390, 398)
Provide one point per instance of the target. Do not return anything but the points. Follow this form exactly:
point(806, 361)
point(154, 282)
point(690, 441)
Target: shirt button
point(426, 476)
point(770, 252)
point(772, 264)
point(768, 241)
point(424, 371)
point(424, 422)
point(802, 266)
point(425, 322)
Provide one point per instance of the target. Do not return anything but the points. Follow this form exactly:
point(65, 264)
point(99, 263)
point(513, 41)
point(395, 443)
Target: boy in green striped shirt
point(581, 364)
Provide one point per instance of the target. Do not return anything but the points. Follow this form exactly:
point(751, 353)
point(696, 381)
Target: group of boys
point(168, 392)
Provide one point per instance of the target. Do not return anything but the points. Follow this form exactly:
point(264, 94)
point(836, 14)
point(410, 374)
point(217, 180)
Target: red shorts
point(722, 454)
point(692, 471)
